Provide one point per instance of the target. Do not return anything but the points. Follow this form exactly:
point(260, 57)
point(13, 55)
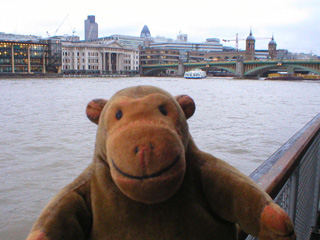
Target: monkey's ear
point(94, 109)
point(187, 104)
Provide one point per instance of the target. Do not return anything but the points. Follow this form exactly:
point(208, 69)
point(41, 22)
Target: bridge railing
point(292, 177)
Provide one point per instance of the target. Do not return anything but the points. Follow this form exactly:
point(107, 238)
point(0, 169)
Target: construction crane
point(237, 41)
point(65, 18)
point(242, 39)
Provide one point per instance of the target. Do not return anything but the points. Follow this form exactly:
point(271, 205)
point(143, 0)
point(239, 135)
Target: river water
point(46, 139)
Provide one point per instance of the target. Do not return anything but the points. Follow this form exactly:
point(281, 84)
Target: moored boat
point(195, 74)
point(298, 77)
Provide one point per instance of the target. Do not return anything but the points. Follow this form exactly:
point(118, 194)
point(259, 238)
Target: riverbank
point(60, 75)
point(118, 75)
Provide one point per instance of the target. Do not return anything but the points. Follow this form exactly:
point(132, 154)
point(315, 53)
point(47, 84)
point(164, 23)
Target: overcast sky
point(294, 23)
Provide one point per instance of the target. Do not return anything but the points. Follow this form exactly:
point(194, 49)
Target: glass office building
point(30, 56)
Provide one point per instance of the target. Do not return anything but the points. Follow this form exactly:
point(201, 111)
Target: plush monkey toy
point(148, 180)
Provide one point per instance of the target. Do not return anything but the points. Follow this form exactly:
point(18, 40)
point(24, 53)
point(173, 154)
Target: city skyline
point(294, 23)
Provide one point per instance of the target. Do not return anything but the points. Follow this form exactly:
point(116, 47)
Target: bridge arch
point(221, 67)
point(305, 68)
point(211, 67)
point(261, 69)
point(264, 68)
point(151, 70)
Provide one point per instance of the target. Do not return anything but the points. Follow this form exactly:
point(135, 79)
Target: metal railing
point(292, 177)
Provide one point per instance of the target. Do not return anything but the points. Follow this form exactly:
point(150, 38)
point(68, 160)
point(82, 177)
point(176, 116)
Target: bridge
point(238, 68)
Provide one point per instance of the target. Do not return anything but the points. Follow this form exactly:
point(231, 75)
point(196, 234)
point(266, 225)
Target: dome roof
point(250, 37)
point(272, 42)
point(145, 33)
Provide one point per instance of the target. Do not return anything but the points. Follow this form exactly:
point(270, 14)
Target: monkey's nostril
point(136, 150)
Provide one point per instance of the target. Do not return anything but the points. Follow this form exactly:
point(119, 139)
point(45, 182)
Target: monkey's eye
point(119, 114)
point(163, 110)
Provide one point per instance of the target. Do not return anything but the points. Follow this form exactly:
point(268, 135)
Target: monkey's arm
point(236, 198)
point(68, 215)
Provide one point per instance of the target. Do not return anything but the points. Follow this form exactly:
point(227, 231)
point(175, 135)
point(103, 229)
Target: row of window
point(22, 46)
point(158, 57)
point(90, 60)
point(72, 54)
point(5, 60)
point(129, 68)
point(158, 51)
point(158, 62)
point(78, 67)
point(20, 69)
point(91, 54)
point(18, 61)
point(22, 53)
point(129, 56)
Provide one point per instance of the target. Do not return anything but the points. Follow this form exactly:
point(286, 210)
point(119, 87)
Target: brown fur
point(148, 180)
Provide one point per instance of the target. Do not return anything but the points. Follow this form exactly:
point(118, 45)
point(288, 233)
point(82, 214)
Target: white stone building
point(98, 58)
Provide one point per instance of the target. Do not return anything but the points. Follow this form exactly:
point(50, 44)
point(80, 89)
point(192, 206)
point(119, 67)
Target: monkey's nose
point(148, 146)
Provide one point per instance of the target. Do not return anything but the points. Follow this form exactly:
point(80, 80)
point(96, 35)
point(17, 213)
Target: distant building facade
point(208, 46)
point(98, 58)
point(22, 57)
point(158, 56)
point(38, 56)
point(10, 36)
point(120, 53)
point(250, 53)
point(250, 47)
point(182, 37)
point(284, 54)
point(272, 49)
point(126, 41)
point(91, 28)
point(61, 55)
point(170, 52)
point(68, 38)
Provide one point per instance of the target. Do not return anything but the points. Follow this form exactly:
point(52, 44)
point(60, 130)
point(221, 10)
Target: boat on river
point(297, 77)
point(195, 74)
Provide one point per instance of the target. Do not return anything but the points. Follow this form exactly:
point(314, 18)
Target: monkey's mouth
point(144, 177)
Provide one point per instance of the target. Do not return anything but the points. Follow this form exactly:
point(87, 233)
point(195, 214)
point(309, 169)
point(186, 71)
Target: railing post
point(317, 191)
point(294, 194)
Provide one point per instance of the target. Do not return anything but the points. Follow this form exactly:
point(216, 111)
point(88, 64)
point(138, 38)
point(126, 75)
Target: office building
point(91, 28)
point(211, 45)
point(37, 56)
point(145, 33)
point(98, 58)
